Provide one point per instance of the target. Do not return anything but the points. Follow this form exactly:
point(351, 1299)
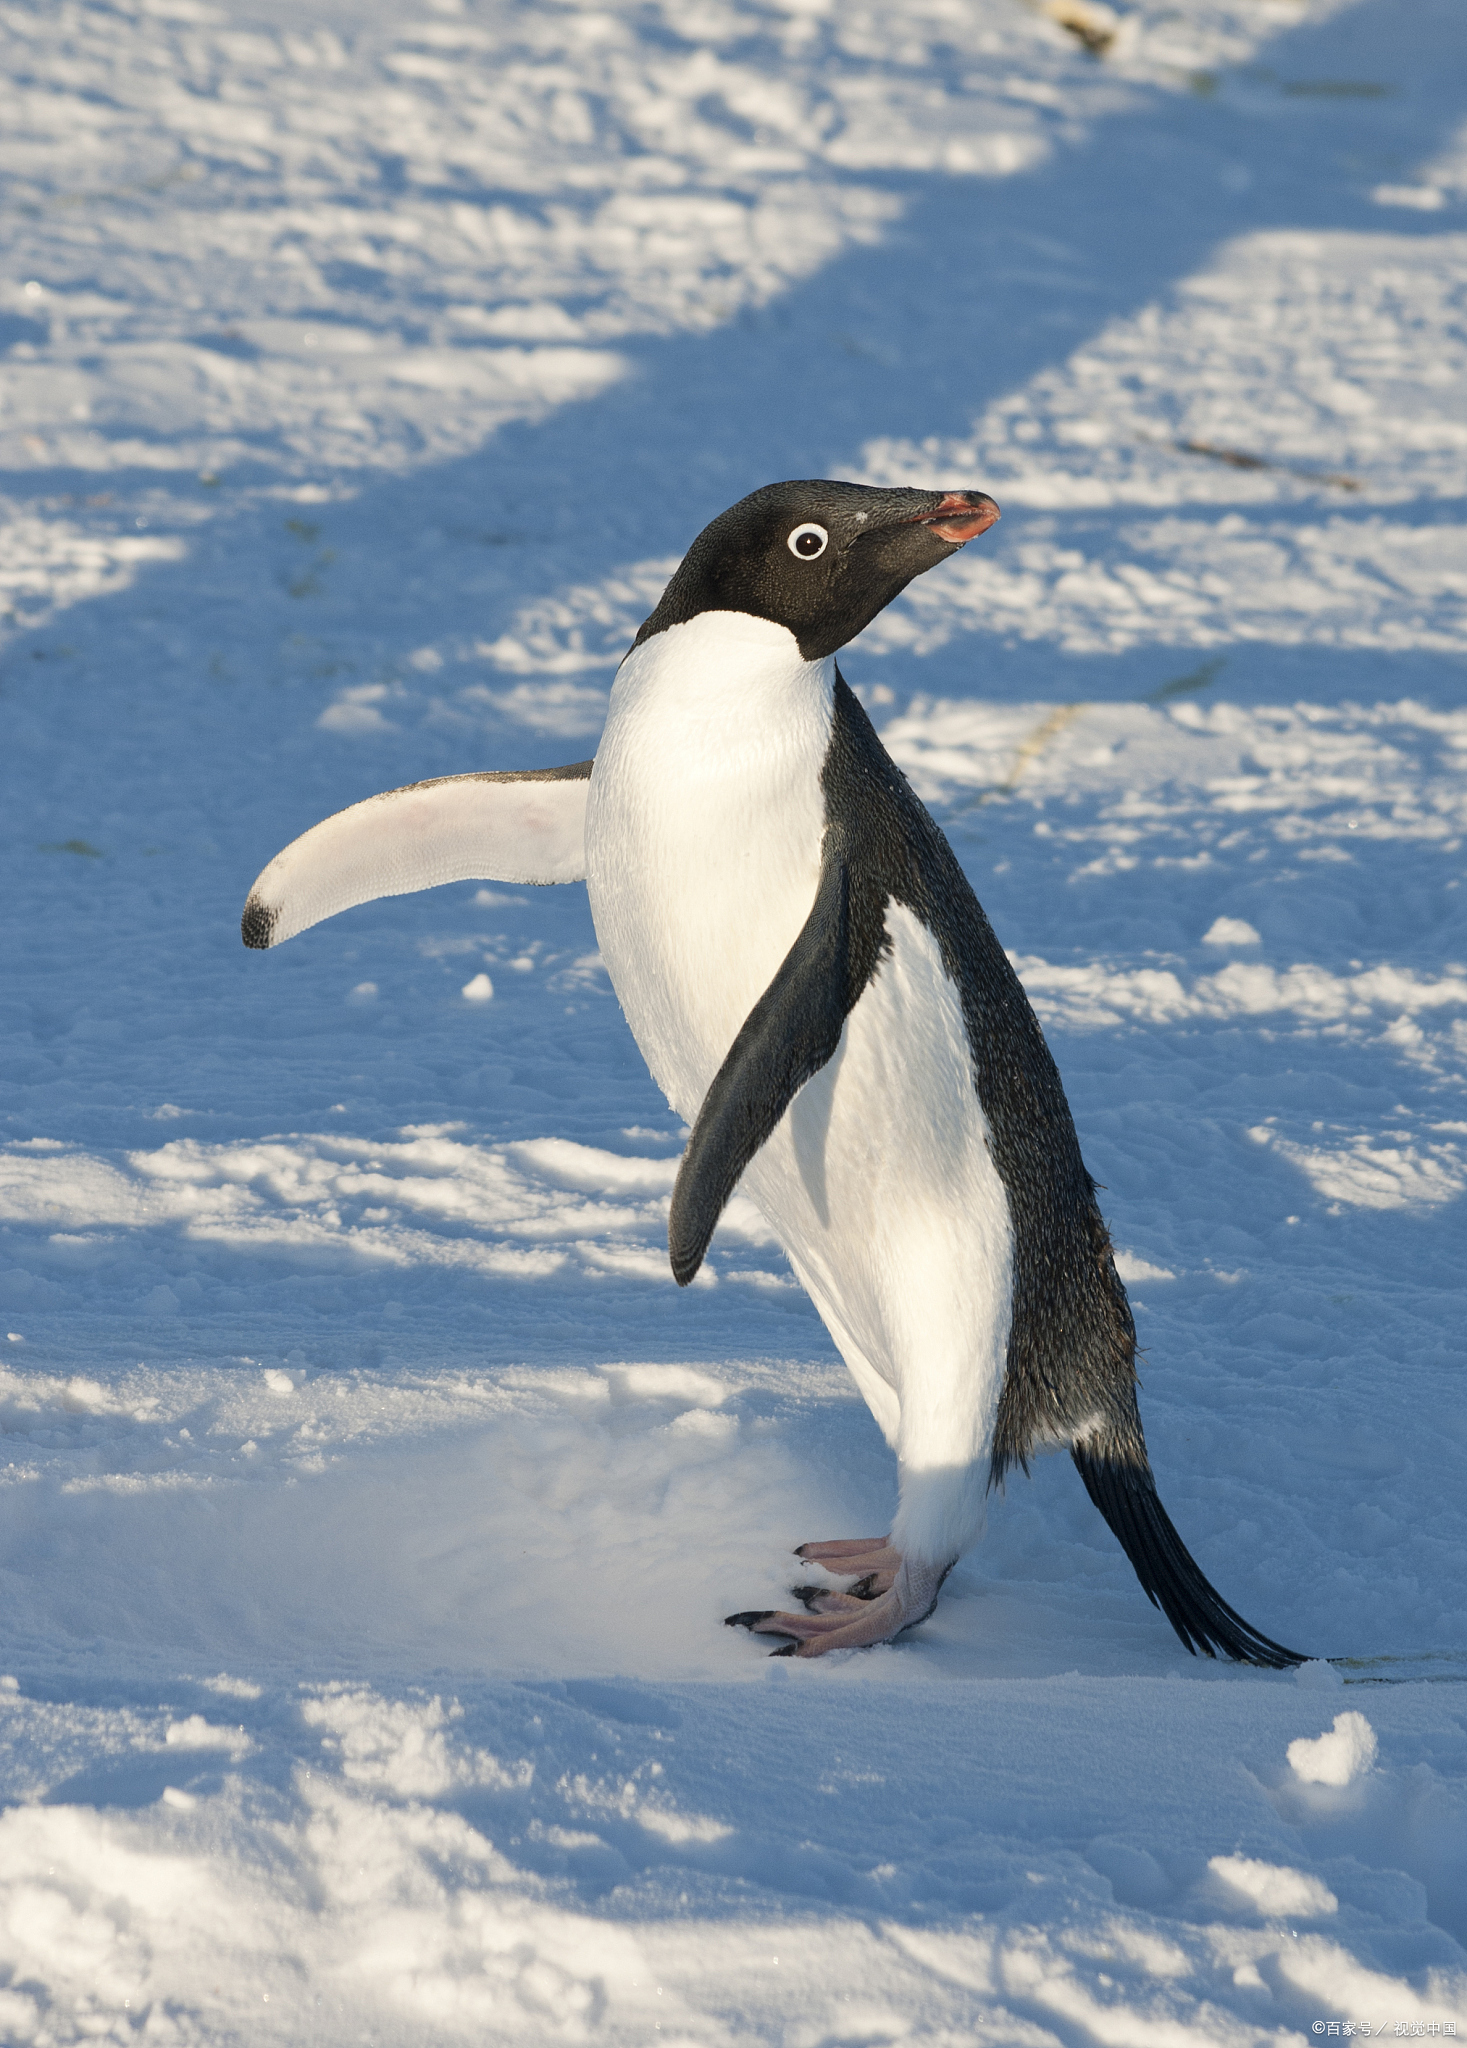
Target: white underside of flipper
point(703, 842)
point(459, 828)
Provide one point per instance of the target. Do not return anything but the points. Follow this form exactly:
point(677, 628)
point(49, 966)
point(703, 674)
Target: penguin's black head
point(820, 558)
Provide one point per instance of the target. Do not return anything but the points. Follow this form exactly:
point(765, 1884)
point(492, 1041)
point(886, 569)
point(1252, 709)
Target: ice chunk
point(1230, 931)
point(1275, 1888)
point(1346, 1752)
point(194, 1732)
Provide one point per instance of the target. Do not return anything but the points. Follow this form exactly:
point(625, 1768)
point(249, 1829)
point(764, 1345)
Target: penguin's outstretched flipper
point(790, 1034)
point(491, 827)
point(1126, 1495)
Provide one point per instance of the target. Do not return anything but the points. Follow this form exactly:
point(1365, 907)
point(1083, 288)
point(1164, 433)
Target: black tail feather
point(1126, 1495)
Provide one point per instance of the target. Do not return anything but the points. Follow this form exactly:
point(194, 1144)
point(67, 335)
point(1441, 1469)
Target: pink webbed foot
point(889, 1595)
point(869, 1560)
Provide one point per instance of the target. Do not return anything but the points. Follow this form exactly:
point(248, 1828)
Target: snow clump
point(1336, 1758)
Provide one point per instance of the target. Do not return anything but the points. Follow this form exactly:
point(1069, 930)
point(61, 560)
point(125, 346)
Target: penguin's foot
point(870, 1560)
point(825, 1600)
point(853, 1620)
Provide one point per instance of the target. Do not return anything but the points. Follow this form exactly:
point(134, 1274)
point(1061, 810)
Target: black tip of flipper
point(1126, 1495)
point(257, 926)
point(748, 1618)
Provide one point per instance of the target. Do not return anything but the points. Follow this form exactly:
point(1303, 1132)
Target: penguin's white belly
point(704, 827)
point(704, 823)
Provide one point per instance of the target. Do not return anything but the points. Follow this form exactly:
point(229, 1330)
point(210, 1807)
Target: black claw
point(865, 1589)
point(791, 1649)
point(748, 1618)
point(807, 1595)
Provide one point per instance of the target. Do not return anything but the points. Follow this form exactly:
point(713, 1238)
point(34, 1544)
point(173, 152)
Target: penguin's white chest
point(704, 823)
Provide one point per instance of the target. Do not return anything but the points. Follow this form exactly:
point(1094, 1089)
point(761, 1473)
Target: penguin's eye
point(808, 541)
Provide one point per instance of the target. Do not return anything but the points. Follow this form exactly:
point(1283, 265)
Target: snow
point(370, 1497)
point(1348, 1749)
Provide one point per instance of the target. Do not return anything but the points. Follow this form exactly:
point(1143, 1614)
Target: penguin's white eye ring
point(808, 542)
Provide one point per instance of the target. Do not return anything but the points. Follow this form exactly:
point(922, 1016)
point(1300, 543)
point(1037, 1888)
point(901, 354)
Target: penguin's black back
point(1070, 1375)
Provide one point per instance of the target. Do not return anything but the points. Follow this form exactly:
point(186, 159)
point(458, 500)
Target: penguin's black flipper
point(790, 1033)
point(1126, 1495)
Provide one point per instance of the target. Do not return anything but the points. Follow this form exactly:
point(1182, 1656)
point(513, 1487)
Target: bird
point(815, 987)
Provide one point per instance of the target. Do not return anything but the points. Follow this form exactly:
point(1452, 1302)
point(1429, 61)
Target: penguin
point(817, 991)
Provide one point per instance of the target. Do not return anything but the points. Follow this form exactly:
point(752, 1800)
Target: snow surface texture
point(371, 1497)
